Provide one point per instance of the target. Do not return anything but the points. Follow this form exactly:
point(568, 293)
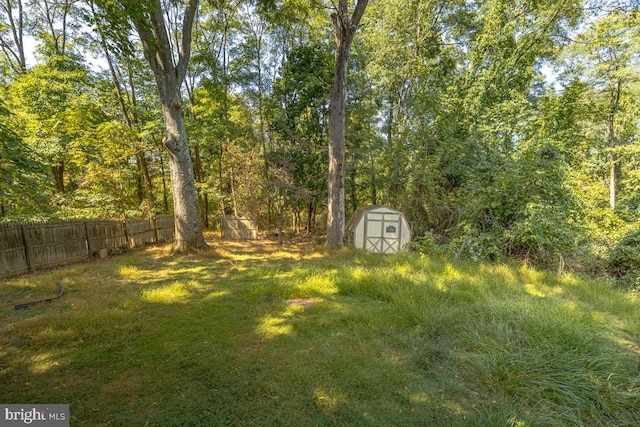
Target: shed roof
point(360, 212)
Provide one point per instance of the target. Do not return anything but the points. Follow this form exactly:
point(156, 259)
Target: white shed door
point(382, 232)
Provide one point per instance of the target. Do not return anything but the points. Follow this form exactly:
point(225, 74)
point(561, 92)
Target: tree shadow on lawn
point(210, 339)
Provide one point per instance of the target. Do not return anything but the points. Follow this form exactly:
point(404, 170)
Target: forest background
point(509, 125)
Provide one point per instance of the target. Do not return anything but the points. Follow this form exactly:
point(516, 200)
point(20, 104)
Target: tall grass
point(221, 339)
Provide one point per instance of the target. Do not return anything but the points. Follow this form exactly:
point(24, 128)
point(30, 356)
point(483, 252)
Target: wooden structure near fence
point(234, 228)
point(30, 246)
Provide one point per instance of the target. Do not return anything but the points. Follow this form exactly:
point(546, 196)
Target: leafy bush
point(624, 260)
point(523, 206)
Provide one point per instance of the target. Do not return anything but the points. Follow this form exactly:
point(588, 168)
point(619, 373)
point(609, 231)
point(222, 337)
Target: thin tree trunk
point(232, 192)
point(613, 170)
point(14, 55)
point(58, 176)
point(198, 169)
point(165, 197)
point(139, 188)
point(143, 164)
point(374, 190)
point(344, 28)
point(310, 216)
point(199, 176)
point(281, 218)
point(612, 181)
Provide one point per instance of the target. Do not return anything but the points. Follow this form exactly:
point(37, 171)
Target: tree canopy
point(512, 126)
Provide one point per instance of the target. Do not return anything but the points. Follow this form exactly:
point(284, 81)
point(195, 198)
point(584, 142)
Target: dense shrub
point(624, 260)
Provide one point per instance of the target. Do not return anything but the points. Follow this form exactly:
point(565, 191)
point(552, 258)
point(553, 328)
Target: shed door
point(382, 232)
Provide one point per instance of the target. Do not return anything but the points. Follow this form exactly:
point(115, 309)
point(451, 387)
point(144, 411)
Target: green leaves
point(21, 171)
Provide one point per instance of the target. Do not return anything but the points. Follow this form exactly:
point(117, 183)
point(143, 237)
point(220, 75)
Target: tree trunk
point(169, 78)
point(281, 218)
point(165, 198)
point(14, 55)
point(188, 232)
point(144, 169)
point(374, 189)
point(202, 195)
point(344, 27)
point(58, 176)
point(309, 225)
point(139, 189)
point(613, 169)
point(612, 181)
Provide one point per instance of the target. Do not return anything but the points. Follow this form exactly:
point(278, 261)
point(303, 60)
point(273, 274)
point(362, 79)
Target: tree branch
point(539, 35)
point(358, 12)
point(187, 30)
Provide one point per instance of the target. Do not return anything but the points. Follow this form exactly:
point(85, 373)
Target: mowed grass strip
point(252, 335)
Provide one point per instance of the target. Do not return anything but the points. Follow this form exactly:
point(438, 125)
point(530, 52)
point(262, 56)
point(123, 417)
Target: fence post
point(25, 243)
point(86, 232)
point(154, 224)
point(126, 233)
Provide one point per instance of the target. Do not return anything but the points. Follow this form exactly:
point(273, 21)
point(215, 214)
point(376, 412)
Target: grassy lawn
point(249, 335)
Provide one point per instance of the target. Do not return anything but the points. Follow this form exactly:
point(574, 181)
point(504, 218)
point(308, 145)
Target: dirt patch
point(302, 302)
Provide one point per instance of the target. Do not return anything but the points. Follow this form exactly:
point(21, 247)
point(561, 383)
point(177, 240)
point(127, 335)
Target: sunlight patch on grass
point(272, 327)
point(215, 295)
point(502, 270)
point(358, 273)
point(420, 397)
point(43, 362)
point(128, 271)
point(572, 306)
point(405, 270)
point(451, 273)
point(326, 399)
point(534, 290)
point(176, 292)
point(319, 283)
point(442, 285)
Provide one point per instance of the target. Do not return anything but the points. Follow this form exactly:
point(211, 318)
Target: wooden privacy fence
point(31, 246)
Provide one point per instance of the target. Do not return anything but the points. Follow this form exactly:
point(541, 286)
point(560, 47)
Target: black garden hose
point(32, 303)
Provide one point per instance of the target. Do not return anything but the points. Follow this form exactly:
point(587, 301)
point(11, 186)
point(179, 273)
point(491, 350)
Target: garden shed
point(379, 229)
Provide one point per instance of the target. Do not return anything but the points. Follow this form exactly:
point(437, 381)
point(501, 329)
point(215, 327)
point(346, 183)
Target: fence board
point(30, 246)
point(105, 234)
point(140, 232)
point(165, 226)
point(13, 258)
point(55, 243)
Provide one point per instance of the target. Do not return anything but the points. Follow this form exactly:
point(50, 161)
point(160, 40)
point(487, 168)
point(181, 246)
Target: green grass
point(148, 338)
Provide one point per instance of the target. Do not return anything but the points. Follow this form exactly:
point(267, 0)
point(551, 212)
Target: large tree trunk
point(344, 27)
point(169, 78)
point(335, 216)
point(188, 232)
